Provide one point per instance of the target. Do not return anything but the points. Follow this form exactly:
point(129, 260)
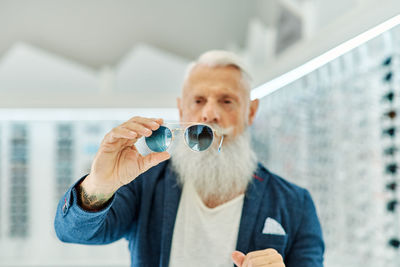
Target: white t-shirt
point(204, 236)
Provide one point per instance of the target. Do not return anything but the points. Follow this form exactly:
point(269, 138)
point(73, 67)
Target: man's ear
point(179, 105)
point(253, 110)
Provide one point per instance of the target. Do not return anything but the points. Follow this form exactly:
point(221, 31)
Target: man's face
point(217, 95)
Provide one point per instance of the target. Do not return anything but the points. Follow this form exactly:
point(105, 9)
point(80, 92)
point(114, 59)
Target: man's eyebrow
point(198, 96)
point(225, 95)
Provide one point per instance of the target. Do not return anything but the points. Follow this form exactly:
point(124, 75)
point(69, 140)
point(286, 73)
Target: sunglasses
point(391, 186)
point(388, 77)
point(394, 242)
point(387, 61)
point(391, 168)
point(390, 131)
point(391, 205)
point(390, 151)
point(390, 114)
point(389, 96)
point(198, 137)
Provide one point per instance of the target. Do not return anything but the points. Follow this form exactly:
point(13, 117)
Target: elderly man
point(216, 207)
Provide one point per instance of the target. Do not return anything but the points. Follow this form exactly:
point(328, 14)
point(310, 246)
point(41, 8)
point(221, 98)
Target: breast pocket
point(264, 241)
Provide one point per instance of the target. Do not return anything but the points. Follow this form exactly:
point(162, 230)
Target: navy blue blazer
point(144, 213)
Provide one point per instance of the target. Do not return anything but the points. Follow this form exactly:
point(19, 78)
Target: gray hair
point(216, 58)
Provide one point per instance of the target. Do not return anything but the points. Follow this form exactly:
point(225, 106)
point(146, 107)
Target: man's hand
point(118, 162)
point(260, 258)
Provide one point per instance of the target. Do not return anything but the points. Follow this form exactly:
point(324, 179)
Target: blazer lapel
point(251, 206)
point(172, 195)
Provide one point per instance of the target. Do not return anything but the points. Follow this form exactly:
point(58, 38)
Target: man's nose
point(210, 113)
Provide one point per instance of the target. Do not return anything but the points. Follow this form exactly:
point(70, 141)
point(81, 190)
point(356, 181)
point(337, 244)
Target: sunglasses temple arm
point(220, 144)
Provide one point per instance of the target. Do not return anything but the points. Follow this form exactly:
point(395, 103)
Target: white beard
point(219, 176)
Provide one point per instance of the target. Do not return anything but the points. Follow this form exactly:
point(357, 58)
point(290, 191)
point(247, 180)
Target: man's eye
point(227, 102)
point(198, 101)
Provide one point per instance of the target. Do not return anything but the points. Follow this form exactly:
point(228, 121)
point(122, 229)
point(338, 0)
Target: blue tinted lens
point(199, 137)
point(160, 139)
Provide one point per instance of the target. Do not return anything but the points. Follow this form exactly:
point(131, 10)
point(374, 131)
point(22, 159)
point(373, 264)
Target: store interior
point(327, 74)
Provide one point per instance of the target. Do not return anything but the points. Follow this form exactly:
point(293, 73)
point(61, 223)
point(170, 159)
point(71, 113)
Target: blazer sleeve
point(308, 246)
point(76, 225)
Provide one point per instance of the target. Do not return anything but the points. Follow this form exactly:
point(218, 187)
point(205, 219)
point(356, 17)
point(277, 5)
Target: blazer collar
point(172, 194)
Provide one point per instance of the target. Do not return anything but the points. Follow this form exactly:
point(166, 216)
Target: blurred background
point(327, 73)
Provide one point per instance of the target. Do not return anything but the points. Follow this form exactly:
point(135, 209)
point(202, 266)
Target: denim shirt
point(144, 213)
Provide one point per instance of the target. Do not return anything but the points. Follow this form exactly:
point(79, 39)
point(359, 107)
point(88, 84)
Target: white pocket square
point(271, 226)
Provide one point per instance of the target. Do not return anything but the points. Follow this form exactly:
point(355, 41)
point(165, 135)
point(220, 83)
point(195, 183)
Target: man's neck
point(213, 202)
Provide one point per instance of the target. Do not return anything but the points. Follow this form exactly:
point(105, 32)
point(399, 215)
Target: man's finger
point(144, 120)
point(140, 129)
point(266, 259)
point(119, 133)
point(238, 258)
point(154, 159)
point(150, 124)
point(270, 251)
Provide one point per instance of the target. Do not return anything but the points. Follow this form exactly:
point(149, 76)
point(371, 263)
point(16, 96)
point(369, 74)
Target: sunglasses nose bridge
point(177, 129)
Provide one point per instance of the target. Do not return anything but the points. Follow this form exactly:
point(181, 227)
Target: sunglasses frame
point(184, 129)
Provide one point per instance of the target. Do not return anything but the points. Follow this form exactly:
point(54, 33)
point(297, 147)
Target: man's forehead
point(215, 71)
point(226, 78)
point(218, 91)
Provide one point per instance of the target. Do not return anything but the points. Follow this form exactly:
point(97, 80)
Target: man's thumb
point(153, 159)
point(238, 258)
